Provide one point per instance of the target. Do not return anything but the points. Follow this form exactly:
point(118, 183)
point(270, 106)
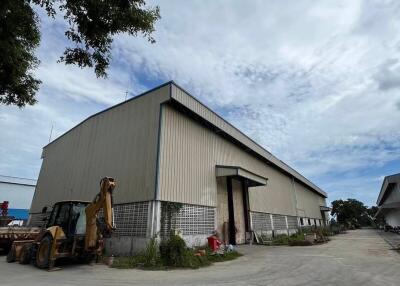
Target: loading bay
point(359, 257)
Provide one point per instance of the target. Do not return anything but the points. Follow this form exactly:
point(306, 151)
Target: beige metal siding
point(394, 195)
point(277, 197)
point(308, 203)
point(120, 142)
point(185, 99)
point(188, 156)
point(222, 208)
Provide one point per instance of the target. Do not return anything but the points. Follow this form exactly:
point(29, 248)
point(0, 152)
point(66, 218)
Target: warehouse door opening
point(238, 215)
point(233, 204)
point(232, 214)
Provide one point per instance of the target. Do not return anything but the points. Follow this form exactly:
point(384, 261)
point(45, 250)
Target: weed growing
point(172, 253)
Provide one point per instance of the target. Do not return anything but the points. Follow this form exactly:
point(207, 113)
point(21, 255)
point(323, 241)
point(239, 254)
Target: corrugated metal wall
point(120, 142)
point(188, 155)
point(308, 203)
point(190, 102)
point(393, 194)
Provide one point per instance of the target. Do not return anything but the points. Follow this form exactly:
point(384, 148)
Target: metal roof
point(252, 178)
point(387, 181)
point(17, 181)
point(324, 208)
point(19, 213)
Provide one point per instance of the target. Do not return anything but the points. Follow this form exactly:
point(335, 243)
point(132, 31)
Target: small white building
point(389, 200)
point(17, 191)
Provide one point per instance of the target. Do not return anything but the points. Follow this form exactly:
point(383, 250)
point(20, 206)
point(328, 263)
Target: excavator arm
point(102, 201)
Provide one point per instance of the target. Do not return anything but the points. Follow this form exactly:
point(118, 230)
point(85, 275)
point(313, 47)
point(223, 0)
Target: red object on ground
point(213, 243)
point(4, 208)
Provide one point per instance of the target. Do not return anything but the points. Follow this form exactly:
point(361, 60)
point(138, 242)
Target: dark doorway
point(232, 230)
point(238, 208)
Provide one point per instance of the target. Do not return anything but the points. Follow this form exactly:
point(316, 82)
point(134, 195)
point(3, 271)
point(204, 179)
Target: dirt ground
point(360, 257)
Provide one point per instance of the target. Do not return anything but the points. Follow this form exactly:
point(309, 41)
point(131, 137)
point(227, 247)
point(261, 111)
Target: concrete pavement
point(360, 257)
point(392, 238)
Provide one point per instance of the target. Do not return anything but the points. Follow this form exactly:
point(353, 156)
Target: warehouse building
point(389, 200)
point(178, 165)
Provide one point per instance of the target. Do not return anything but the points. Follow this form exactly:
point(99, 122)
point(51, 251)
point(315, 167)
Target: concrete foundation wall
point(125, 245)
point(196, 240)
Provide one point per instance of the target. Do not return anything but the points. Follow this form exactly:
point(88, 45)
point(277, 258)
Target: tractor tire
point(43, 253)
point(26, 253)
point(12, 254)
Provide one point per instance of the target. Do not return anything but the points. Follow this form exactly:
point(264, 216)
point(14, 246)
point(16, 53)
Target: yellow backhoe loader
point(73, 230)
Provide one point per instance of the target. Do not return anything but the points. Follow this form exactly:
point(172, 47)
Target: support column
point(287, 225)
point(245, 193)
point(154, 219)
point(271, 217)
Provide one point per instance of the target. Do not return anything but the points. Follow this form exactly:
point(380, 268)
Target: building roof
point(252, 179)
point(387, 182)
point(17, 181)
point(181, 97)
point(19, 213)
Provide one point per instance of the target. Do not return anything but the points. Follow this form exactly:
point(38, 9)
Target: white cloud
point(317, 83)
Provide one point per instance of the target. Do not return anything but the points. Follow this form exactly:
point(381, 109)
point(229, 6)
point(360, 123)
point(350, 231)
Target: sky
point(317, 83)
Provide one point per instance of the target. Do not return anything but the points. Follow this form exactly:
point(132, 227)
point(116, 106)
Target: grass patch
point(227, 256)
point(281, 239)
point(299, 238)
point(171, 254)
point(125, 262)
point(296, 239)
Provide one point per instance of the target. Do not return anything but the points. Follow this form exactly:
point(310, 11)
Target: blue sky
point(315, 83)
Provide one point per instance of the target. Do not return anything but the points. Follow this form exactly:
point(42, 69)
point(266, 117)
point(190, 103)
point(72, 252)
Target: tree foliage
point(19, 36)
point(91, 27)
point(351, 212)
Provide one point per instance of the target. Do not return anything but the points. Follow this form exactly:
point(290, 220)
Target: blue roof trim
point(19, 213)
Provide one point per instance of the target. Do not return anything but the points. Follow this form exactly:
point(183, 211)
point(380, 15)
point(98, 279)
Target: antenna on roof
point(51, 132)
point(126, 95)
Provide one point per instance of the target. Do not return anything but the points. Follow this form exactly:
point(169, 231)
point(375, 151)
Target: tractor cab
point(70, 216)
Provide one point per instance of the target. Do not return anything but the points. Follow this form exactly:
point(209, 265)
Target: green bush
point(174, 251)
point(307, 230)
point(324, 231)
point(297, 236)
point(298, 239)
point(281, 239)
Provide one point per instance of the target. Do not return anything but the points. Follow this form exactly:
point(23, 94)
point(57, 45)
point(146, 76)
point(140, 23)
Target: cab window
point(62, 218)
point(53, 215)
point(78, 219)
